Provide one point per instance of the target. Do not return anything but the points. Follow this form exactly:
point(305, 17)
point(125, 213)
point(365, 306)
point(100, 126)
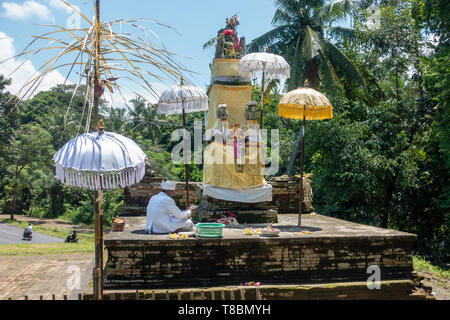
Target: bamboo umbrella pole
point(186, 166)
point(300, 208)
point(262, 97)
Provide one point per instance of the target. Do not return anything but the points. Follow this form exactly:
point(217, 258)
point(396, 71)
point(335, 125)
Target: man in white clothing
point(164, 216)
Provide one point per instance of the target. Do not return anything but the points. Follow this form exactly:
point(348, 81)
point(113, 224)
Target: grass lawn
point(85, 245)
point(422, 265)
point(46, 249)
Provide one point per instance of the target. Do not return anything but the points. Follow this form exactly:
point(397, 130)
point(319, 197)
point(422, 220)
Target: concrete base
point(324, 250)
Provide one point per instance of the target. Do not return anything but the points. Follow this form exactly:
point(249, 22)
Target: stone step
point(389, 290)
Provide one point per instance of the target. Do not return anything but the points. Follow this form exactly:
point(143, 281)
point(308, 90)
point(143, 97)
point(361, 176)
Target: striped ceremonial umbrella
point(183, 99)
point(307, 104)
point(271, 66)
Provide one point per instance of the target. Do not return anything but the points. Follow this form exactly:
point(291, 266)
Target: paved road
point(13, 235)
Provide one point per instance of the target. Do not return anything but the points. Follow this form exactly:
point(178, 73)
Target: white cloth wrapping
point(220, 129)
point(253, 195)
point(253, 133)
point(164, 216)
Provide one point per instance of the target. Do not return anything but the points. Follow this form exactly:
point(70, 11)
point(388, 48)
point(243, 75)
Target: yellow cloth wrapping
point(219, 169)
point(305, 102)
point(224, 174)
point(235, 97)
point(225, 68)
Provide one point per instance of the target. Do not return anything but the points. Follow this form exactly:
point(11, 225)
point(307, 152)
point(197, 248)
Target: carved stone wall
point(285, 194)
point(136, 197)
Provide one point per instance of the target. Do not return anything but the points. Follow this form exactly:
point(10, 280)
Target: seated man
point(163, 215)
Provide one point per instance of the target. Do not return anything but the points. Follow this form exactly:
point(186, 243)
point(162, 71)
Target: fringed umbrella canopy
point(274, 66)
point(183, 99)
point(172, 101)
point(100, 161)
point(271, 66)
point(305, 102)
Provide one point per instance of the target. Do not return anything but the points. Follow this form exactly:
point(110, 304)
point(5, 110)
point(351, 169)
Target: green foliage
point(422, 265)
point(83, 213)
point(383, 159)
point(300, 36)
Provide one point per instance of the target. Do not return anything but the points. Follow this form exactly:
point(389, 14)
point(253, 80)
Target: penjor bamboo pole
point(98, 195)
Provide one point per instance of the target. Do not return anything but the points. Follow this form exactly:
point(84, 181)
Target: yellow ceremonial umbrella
point(307, 104)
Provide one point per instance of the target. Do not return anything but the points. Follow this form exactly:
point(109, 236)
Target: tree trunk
point(294, 152)
point(312, 73)
point(14, 203)
point(397, 85)
point(386, 206)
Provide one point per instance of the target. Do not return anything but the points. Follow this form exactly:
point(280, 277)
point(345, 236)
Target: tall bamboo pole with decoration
point(103, 56)
point(98, 195)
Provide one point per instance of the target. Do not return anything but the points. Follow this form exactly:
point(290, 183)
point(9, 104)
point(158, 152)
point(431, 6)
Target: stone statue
point(242, 47)
point(220, 47)
point(251, 121)
point(251, 111)
point(221, 127)
point(222, 112)
point(228, 45)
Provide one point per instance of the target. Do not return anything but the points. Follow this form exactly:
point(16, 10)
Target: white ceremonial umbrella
point(100, 161)
point(271, 65)
point(183, 99)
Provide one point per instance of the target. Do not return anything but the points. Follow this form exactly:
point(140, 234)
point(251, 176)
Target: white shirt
point(29, 228)
point(164, 216)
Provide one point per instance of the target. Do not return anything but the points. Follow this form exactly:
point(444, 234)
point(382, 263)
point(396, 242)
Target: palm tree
point(115, 119)
point(136, 111)
point(145, 118)
point(301, 27)
point(300, 35)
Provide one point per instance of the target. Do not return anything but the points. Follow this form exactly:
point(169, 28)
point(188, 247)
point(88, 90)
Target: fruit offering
point(252, 232)
point(176, 236)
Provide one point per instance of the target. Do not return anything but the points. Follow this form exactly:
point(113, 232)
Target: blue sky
point(196, 21)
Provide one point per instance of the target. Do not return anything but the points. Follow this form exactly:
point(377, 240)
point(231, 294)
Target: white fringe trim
point(101, 180)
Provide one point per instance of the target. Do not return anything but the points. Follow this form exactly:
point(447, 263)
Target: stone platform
point(324, 250)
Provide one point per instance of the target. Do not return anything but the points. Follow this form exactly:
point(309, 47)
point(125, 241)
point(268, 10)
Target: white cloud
point(27, 10)
point(59, 5)
point(27, 70)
